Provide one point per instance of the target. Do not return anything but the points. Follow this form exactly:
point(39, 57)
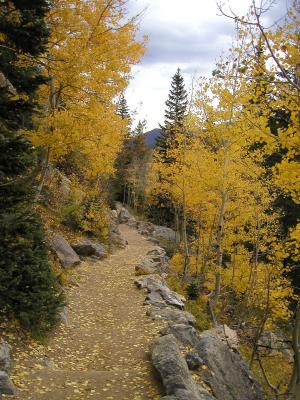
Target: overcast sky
point(186, 34)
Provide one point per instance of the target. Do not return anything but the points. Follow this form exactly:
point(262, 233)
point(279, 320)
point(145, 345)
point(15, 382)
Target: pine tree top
point(176, 102)
point(122, 108)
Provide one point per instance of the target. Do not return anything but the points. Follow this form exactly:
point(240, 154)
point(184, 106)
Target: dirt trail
point(103, 352)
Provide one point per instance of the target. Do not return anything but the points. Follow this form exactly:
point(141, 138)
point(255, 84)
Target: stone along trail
point(103, 351)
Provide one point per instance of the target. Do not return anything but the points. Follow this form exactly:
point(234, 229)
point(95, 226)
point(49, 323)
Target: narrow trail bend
point(103, 352)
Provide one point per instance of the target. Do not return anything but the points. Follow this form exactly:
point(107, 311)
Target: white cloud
point(189, 35)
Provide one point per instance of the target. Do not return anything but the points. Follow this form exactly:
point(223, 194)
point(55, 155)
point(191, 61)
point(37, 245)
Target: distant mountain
point(150, 137)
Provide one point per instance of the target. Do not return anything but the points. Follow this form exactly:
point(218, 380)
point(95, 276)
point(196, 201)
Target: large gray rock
point(117, 241)
point(125, 217)
point(145, 228)
point(89, 248)
point(157, 253)
point(226, 373)
point(169, 362)
point(186, 334)
point(271, 343)
point(157, 285)
point(224, 333)
point(6, 385)
point(5, 360)
point(146, 268)
point(155, 299)
point(162, 232)
point(150, 282)
point(171, 315)
point(66, 255)
point(158, 256)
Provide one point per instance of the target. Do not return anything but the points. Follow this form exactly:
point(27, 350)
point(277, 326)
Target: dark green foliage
point(162, 212)
point(192, 291)
point(174, 116)
point(174, 113)
point(123, 109)
point(28, 288)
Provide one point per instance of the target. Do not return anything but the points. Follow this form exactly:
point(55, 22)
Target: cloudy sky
point(186, 34)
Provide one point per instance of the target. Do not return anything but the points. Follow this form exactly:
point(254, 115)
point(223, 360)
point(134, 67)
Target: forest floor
point(103, 351)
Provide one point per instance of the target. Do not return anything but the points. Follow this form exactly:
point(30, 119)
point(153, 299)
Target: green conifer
point(174, 113)
point(122, 108)
point(28, 288)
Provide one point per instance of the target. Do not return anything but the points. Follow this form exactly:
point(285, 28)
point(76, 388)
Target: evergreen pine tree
point(174, 113)
point(28, 288)
point(140, 128)
point(163, 212)
point(122, 108)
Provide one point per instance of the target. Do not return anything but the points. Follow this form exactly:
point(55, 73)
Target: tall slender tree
point(174, 113)
point(123, 109)
point(27, 287)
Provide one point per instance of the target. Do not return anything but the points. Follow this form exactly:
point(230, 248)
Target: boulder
point(155, 299)
point(162, 232)
point(54, 176)
point(172, 298)
point(117, 241)
point(226, 373)
point(273, 343)
point(145, 268)
point(5, 360)
point(150, 282)
point(174, 372)
point(186, 334)
point(172, 315)
point(158, 252)
point(154, 284)
point(158, 255)
point(125, 217)
point(224, 333)
point(89, 248)
point(6, 385)
point(193, 360)
point(66, 255)
point(145, 228)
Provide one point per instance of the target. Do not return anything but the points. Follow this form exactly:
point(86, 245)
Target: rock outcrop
point(5, 360)
point(115, 238)
point(6, 385)
point(159, 294)
point(271, 343)
point(157, 262)
point(172, 316)
point(225, 334)
point(162, 232)
point(184, 333)
point(226, 373)
point(66, 255)
point(89, 248)
point(126, 218)
point(172, 367)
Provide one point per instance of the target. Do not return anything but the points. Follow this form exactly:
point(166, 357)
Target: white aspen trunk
point(218, 276)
